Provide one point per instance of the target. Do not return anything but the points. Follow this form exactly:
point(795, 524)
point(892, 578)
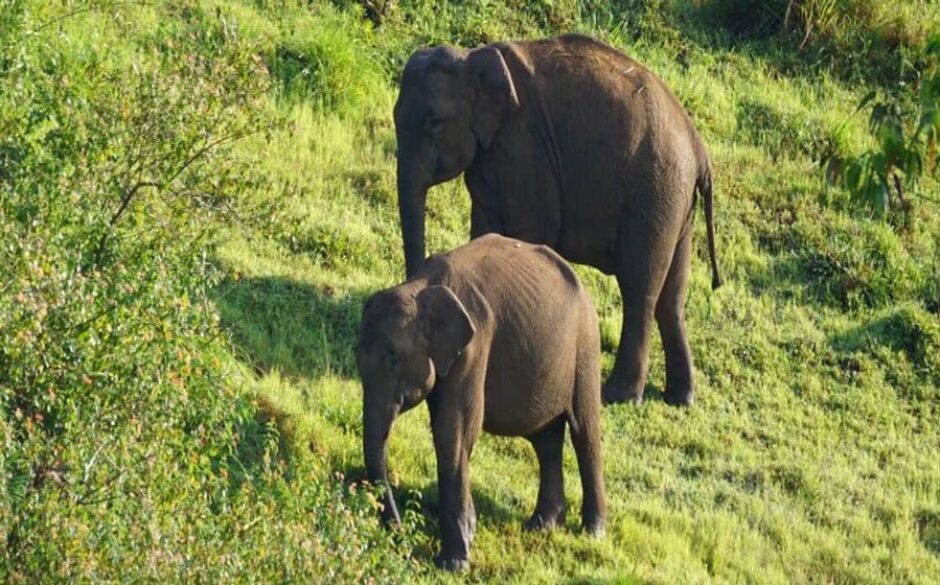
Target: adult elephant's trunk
point(412, 195)
point(377, 423)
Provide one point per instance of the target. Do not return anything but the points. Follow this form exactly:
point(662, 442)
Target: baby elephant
point(499, 335)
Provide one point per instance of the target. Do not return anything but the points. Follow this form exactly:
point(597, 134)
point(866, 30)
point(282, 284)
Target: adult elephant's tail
point(704, 186)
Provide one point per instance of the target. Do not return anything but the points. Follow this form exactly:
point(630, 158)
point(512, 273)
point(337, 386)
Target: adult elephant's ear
point(494, 90)
point(447, 326)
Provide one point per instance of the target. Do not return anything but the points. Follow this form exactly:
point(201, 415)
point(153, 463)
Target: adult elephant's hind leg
point(550, 507)
point(670, 315)
point(646, 259)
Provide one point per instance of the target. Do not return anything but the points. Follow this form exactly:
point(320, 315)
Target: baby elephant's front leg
point(456, 521)
point(456, 513)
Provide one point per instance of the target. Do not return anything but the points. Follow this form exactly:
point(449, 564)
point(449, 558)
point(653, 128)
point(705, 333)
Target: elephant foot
point(452, 565)
point(685, 398)
point(616, 393)
point(681, 393)
point(545, 521)
point(595, 528)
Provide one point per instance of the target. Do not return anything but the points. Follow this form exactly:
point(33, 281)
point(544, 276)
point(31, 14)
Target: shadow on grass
point(900, 330)
point(928, 529)
point(653, 393)
point(736, 26)
point(296, 328)
point(425, 500)
point(908, 331)
point(410, 496)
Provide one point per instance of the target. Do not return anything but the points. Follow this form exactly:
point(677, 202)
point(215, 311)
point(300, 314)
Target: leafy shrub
point(109, 377)
point(906, 136)
point(125, 432)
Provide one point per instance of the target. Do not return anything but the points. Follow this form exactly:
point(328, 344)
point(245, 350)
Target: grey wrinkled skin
point(497, 335)
point(566, 142)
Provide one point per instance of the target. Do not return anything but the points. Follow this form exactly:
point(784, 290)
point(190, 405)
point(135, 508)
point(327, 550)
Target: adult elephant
point(570, 143)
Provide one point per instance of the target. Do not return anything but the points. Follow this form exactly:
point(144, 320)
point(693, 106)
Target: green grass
point(812, 454)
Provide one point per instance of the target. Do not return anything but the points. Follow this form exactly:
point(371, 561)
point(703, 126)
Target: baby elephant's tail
point(704, 186)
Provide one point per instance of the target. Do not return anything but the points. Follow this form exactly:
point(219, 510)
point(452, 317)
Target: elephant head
point(408, 339)
point(450, 103)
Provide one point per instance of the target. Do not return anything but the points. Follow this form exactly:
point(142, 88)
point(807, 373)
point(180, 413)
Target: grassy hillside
point(813, 451)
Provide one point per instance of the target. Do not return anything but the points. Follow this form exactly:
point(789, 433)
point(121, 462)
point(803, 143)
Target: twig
point(91, 462)
point(78, 11)
point(84, 500)
point(897, 187)
point(786, 16)
point(249, 526)
point(809, 31)
point(925, 198)
point(125, 201)
point(209, 146)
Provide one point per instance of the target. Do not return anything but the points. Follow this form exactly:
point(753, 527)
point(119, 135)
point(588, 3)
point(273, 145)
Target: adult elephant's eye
point(435, 124)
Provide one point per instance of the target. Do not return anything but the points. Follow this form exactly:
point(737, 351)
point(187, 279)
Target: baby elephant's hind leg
point(586, 436)
point(551, 506)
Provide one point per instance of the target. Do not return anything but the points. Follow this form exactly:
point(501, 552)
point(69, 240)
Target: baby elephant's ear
point(448, 326)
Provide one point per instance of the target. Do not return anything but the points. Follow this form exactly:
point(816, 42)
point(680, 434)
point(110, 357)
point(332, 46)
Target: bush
point(129, 448)
point(906, 133)
point(111, 382)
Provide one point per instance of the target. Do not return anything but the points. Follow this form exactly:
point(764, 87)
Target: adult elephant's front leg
point(481, 223)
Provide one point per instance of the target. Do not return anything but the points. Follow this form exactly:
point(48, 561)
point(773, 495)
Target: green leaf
point(933, 45)
point(865, 101)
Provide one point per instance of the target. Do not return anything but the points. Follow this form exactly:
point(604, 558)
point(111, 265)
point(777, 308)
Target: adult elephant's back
point(598, 145)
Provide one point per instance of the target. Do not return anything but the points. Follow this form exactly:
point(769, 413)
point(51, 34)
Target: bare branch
point(83, 10)
point(897, 186)
point(209, 146)
point(91, 462)
point(125, 202)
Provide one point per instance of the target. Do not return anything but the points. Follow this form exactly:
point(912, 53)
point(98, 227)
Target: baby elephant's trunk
point(375, 449)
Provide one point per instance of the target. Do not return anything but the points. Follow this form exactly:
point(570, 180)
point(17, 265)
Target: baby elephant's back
point(540, 320)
